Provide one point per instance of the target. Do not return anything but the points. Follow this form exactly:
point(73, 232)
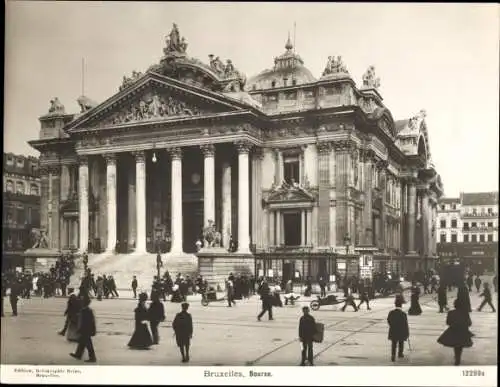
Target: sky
point(443, 58)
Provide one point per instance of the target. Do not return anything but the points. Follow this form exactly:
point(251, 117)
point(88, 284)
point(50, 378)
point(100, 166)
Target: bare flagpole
point(294, 35)
point(83, 76)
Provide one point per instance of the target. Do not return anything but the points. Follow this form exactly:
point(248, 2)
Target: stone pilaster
point(140, 202)
point(343, 149)
point(324, 152)
point(412, 215)
point(209, 184)
point(83, 203)
point(111, 201)
point(243, 198)
point(258, 224)
point(367, 157)
point(176, 197)
point(381, 166)
point(65, 182)
point(226, 204)
point(55, 218)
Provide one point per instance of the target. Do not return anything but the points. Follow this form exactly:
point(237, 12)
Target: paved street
point(233, 336)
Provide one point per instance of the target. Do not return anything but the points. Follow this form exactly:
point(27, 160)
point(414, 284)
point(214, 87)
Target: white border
point(291, 376)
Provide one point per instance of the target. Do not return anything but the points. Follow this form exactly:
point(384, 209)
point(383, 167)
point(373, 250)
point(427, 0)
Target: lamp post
point(347, 243)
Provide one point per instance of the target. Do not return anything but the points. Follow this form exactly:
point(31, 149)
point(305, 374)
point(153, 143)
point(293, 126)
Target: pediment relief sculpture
point(290, 193)
point(152, 106)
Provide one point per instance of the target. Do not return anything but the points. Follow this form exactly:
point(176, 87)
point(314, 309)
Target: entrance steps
point(124, 266)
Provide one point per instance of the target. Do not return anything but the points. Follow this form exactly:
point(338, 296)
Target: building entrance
point(192, 217)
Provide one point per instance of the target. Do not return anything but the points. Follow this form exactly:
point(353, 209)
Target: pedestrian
point(399, 331)
point(463, 298)
point(457, 335)
point(3, 291)
point(363, 297)
point(112, 287)
point(495, 283)
point(183, 328)
point(307, 330)
point(99, 288)
point(15, 291)
point(141, 339)
point(134, 286)
point(470, 281)
point(267, 301)
point(415, 309)
point(71, 314)
point(230, 293)
point(86, 330)
point(477, 283)
point(322, 286)
point(487, 298)
point(159, 262)
point(442, 298)
point(156, 314)
point(349, 301)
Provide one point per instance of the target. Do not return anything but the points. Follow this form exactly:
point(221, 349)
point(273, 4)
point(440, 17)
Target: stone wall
point(215, 267)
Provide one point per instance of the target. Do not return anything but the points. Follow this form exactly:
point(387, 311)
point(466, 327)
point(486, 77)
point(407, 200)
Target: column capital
point(258, 153)
point(175, 153)
point(243, 146)
point(54, 169)
point(83, 160)
point(140, 156)
point(44, 171)
point(208, 150)
point(367, 155)
point(110, 158)
point(324, 147)
point(344, 145)
point(381, 165)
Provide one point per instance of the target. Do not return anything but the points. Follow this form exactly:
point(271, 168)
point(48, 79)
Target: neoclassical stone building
point(307, 175)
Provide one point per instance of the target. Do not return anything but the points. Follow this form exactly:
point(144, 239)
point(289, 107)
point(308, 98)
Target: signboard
point(332, 278)
point(261, 272)
point(297, 274)
point(341, 265)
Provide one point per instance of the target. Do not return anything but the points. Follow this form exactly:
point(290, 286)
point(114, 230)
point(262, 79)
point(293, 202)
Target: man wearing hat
point(399, 330)
point(86, 329)
point(183, 328)
point(307, 329)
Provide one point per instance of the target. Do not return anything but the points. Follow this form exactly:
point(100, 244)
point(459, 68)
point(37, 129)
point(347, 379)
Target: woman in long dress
point(457, 335)
point(73, 315)
point(415, 309)
point(463, 298)
point(141, 338)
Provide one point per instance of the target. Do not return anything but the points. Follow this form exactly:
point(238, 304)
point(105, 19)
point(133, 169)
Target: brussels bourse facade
point(308, 176)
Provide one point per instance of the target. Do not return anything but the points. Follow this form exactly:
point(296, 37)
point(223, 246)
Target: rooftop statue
point(85, 103)
point(174, 42)
point(369, 79)
point(129, 80)
point(56, 107)
point(335, 66)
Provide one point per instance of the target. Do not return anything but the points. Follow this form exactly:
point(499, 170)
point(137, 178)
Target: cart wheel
point(204, 302)
point(314, 305)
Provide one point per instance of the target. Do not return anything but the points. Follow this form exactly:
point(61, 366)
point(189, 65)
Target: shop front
point(481, 257)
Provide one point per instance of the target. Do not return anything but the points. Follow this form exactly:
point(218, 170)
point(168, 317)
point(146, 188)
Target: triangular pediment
point(154, 98)
point(290, 194)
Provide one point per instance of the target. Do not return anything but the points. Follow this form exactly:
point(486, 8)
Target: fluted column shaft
point(412, 216)
point(111, 201)
point(243, 199)
point(176, 197)
point(83, 203)
point(132, 210)
point(140, 202)
point(209, 184)
point(226, 204)
point(367, 232)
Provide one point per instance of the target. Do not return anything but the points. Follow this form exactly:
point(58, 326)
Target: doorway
point(292, 228)
point(192, 230)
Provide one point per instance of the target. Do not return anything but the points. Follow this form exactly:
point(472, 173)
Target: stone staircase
point(124, 266)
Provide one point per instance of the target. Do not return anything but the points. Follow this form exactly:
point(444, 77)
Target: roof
point(479, 198)
point(449, 200)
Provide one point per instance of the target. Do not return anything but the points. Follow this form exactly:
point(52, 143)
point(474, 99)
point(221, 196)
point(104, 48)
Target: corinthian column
point(111, 200)
point(83, 202)
point(140, 202)
point(412, 204)
point(243, 198)
point(226, 204)
point(209, 184)
point(176, 197)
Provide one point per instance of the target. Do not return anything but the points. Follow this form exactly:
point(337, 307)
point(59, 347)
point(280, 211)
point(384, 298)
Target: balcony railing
point(479, 215)
point(480, 229)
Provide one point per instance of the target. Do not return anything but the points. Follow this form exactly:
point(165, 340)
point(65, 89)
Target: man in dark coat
point(183, 328)
point(478, 282)
point(15, 291)
point(399, 330)
point(463, 298)
point(86, 330)
point(322, 286)
point(487, 298)
point(470, 281)
point(267, 303)
point(349, 301)
point(307, 329)
point(495, 283)
point(442, 298)
point(134, 286)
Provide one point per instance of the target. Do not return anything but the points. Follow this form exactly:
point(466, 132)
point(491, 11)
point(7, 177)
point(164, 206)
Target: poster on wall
point(261, 272)
point(270, 273)
point(341, 265)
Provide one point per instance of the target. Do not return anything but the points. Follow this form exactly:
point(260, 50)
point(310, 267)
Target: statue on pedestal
point(56, 107)
point(41, 239)
point(211, 235)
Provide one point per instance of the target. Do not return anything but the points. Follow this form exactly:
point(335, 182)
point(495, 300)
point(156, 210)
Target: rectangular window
point(490, 237)
point(466, 238)
point(443, 207)
point(272, 97)
point(490, 211)
point(474, 211)
point(443, 223)
point(474, 238)
point(454, 238)
point(291, 169)
point(481, 237)
point(473, 225)
point(453, 223)
point(442, 238)
point(308, 94)
point(466, 225)
point(490, 224)
point(291, 95)
point(453, 206)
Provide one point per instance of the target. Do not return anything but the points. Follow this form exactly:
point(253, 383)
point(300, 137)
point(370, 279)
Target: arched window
point(34, 189)
point(9, 186)
point(20, 187)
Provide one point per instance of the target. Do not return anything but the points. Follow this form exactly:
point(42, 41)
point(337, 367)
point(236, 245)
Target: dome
point(288, 70)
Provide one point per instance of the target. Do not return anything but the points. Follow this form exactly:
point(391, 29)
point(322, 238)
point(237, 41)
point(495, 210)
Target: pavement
point(233, 337)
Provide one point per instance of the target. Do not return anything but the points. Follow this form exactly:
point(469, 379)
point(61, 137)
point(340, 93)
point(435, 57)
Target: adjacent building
point(21, 207)
point(468, 229)
point(309, 175)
